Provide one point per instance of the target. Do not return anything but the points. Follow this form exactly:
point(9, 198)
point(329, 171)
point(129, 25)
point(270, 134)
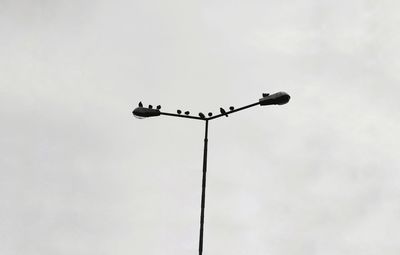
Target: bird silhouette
point(223, 111)
point(202, 115)
point(265, 94)
point(231, 108)
point(140, 104)
point(150, 106)
point(158, 107)
point(210, 114)
point(187, 112)
point(179, 111)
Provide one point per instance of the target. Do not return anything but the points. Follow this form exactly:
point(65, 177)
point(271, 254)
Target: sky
point(80, 175)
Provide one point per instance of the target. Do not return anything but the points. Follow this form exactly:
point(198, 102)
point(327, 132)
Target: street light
point(141, 112)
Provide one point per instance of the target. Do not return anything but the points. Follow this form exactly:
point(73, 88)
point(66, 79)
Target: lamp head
point(278, 98)
point(142, 112)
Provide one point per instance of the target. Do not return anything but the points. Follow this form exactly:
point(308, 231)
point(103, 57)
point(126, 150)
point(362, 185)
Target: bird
point(179, 111)
point(140, 104)
point(150, 106)
point(158, 107)
point(231, 108)
point(210, 114)
point(202, 115)
point(187, 112)
point(265, 94)
point(223, 111)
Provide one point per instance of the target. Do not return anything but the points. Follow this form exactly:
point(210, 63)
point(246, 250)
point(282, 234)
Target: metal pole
point(203, 190)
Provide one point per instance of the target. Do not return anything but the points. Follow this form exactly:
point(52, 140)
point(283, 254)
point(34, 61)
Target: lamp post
point(141, 112)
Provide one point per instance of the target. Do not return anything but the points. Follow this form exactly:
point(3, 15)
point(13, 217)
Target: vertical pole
point(203, 190)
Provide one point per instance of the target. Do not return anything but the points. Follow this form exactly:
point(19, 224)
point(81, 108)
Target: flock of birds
point(201, 115)
point(210, 114)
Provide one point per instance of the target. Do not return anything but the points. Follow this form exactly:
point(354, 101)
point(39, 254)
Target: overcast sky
point(318, 176)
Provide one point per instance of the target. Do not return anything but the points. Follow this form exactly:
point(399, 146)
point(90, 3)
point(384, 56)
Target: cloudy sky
point(79, 175)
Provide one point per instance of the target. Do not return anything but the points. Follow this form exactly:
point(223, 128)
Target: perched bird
point(187, 112)
point(179, 111)
point(223, 111)
point(210, 114)
point(265, 94)
point(150, 106)
point(202, 115)
point(231, 108)
point(158, 107)
point(140, 104)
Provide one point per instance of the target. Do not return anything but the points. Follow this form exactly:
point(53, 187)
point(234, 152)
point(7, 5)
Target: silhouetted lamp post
point(267, 99)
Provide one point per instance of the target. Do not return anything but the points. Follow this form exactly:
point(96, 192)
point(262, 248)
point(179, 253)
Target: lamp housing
point(142, 112)
point(278, 98)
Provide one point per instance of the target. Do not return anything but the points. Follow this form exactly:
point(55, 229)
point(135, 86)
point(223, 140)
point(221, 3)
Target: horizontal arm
point(210, 118)
point(278, 98)
point(181, 116)
point(235, 110)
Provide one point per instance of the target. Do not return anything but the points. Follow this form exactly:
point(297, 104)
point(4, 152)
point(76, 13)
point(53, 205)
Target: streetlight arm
point(278, 98)
point(181, 116)
point(235, 110)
